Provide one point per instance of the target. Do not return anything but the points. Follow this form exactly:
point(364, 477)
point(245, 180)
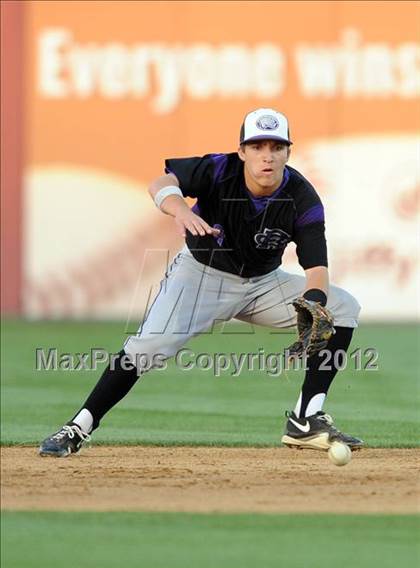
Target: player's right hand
point(189, 221)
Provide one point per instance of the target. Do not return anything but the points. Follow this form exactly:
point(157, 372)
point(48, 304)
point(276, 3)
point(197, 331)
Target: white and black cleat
point(68, 440)
point(315, 432)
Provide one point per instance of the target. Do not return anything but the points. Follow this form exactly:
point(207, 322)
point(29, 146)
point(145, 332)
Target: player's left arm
point(311, 245)
point(312, 253)
point(314, 322)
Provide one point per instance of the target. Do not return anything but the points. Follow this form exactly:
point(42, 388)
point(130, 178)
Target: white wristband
point(165, 192)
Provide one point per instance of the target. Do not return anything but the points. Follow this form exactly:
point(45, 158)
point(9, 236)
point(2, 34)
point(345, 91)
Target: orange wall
point(126, 135)
point(337, 69)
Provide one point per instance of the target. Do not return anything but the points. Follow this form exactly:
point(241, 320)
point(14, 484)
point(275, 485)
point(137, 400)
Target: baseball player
point(249, 205)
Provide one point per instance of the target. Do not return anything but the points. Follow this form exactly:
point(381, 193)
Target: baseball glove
point(315, 327)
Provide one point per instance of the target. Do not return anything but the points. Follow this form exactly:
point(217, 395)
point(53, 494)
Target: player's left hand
point(315, 327)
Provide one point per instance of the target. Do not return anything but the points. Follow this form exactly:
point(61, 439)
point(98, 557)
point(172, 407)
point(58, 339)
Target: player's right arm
point(177, 207)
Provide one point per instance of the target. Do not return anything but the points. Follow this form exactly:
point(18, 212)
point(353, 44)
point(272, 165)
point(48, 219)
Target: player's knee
point(153, 346)
point(350, 307)
point(346, 309)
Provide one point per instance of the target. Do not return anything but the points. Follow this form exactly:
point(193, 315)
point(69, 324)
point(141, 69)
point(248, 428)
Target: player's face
point(264, 164)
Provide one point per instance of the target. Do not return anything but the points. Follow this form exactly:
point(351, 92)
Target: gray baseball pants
point(193, 297)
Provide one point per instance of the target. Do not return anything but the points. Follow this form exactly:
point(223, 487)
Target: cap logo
point(267, 122)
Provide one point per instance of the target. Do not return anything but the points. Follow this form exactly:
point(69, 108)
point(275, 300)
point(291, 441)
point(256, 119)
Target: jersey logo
point(271, 239)
point(267, 122)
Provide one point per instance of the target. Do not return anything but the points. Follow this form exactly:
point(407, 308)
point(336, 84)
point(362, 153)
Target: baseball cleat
point(68, 440)
point(316, 432)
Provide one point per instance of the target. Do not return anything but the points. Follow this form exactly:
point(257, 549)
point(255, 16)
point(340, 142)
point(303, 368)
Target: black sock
point(318, 381)
point(110, 389)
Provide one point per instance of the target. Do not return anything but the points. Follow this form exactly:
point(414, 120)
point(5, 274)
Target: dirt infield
point(211, 479)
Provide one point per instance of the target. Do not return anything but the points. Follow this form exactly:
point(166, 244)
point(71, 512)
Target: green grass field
point(179, 407)
point(175, 408)
point(163, 540)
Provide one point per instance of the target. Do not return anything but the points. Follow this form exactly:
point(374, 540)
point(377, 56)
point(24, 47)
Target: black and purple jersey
point(254, 231)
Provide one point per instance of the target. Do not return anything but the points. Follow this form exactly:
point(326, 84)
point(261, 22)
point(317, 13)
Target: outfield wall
point(112, 88)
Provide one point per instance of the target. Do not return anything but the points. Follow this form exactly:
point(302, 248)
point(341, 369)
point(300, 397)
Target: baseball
point(339, 454)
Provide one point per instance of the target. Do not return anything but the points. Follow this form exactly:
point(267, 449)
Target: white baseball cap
point(265, 124)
